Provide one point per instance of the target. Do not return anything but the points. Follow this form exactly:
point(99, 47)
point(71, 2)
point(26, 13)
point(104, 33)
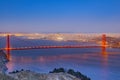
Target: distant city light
point(59, 38)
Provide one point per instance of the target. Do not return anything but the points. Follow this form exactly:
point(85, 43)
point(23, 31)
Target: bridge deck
point(49, 47)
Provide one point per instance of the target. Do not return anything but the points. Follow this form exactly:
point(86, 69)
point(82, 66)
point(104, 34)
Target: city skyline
point(85, 16)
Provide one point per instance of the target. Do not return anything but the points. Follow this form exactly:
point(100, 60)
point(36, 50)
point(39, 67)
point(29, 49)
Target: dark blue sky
point(60, 15)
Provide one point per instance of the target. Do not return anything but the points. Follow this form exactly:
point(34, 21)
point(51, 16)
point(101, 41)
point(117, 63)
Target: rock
point(61, 76)
point(29, 75)
point(5, 77)
point(3, 61)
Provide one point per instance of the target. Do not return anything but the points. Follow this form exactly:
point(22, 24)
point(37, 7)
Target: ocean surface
point(96, 63)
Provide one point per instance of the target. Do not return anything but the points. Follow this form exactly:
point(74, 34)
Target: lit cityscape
point(113, 39)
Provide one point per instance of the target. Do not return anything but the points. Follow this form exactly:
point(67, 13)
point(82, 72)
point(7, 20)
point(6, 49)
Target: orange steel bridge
point(9, 48)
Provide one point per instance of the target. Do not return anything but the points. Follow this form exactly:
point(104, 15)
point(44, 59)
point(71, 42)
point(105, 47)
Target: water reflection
point(103, 62)
point(78, 58)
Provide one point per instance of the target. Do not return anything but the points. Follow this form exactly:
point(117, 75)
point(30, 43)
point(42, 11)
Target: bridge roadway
point(49, 47)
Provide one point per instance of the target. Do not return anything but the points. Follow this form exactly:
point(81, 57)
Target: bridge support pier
point(104, 44)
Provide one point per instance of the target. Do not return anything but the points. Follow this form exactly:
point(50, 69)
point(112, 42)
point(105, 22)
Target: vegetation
point(58, 70)
point(72, 72)
point(16, 71)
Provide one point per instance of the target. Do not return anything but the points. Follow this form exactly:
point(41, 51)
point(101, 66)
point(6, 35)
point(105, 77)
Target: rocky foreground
point(29, 75)
point(3, 61)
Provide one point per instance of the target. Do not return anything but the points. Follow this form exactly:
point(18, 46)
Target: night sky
point(60, 16)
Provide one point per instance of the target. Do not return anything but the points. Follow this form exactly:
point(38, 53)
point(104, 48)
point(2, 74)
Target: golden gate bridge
point(8, 47)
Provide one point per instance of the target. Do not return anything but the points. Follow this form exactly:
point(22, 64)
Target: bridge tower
point(104, 43)
point(8, 46)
